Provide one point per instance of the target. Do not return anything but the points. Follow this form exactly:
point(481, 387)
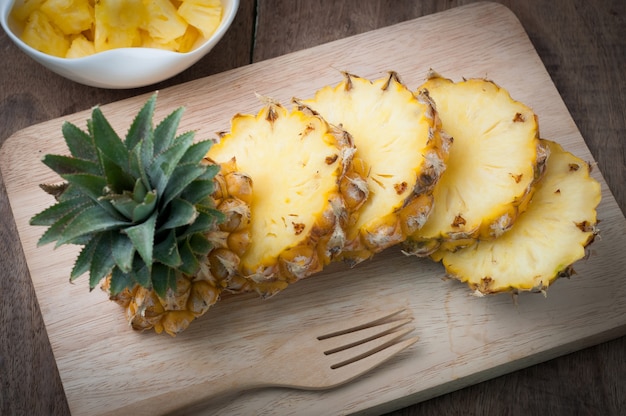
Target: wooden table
point(581, 43)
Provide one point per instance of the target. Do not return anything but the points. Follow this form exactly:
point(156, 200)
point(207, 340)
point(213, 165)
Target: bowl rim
point(230, 8)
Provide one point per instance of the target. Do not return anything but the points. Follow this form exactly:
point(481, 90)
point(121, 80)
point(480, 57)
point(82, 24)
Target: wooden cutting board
point(106, 367)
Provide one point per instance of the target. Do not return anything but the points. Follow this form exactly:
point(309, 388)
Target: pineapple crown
point(141, 207)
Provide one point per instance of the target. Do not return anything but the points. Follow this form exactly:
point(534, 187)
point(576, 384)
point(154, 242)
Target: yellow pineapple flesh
point(305, 192)
point(545, 240)
point(494, 162)
point(398, 137)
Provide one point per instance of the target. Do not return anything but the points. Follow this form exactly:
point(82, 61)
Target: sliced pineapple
point(305, 192)
point(493, 165)
point(544, 241)
point(397, 134)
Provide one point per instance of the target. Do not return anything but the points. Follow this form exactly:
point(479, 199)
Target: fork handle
point(225, 386)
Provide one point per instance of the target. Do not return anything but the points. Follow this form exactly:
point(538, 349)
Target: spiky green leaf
point(141, 127)
point(88, 221)
point(59, 210)
point(66, 164)
point(141, 273)
point(196, 151)
point(163, 166)
point(102, 262)
point(108, 142)
point(190, 263)
point(80, 144)
point(123, 251)
point(120, 281)
point(142, 236)
point(84, 259)
point(166, 251)
point(163, 278)
point(181, 213)
point(182, 177)
point(165, 132)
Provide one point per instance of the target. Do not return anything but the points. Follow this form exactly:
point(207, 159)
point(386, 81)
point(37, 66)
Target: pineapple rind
point(496, 142)
point(546, 239)
point(397, 134)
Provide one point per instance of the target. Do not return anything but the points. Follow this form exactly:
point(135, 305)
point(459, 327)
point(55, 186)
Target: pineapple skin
point(546, 240)
point(450, 230)
point(396, 121)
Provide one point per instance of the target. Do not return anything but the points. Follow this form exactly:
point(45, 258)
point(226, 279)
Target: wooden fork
point(315, 358)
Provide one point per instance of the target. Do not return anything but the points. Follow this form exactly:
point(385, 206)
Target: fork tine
point(344, 341)
point(364, 323)
point(367, 349)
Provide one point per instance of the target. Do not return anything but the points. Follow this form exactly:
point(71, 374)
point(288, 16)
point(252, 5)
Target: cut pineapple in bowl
point(121, 62)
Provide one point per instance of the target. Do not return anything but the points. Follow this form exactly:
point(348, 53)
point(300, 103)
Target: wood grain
point(465, 340)
point(583, 48)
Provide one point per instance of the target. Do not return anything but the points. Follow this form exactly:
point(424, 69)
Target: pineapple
point(43, 35)
point(493, 166)
point(204, 15)
point(117, 24)
point(71, 16)
point(397, 134)
point(307, 189)
point(545, 240)
point(155, 222)
point(162, 21)
point(81, 46)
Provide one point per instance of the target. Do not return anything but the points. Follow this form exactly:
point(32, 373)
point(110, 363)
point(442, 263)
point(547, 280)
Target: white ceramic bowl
point(123, 67)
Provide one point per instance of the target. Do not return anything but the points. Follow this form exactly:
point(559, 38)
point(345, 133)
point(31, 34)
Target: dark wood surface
point(583, 46)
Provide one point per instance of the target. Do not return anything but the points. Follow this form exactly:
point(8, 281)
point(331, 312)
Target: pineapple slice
point(397, 134)
point(305, 192)
point(544, 241)
point(493, 165)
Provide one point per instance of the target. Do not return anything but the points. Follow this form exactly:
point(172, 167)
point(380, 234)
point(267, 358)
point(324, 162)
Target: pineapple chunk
point(162, 21)
point(544, 241)
point(23, 9)
point(80, 47)
point(71, 16)
point(397, 134)
point(301, 171)
point(493, 165)
point(188, 40)
point(43, 35)
point(117, 24)
point(205, 15)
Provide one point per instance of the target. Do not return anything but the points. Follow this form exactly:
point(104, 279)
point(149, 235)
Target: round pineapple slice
point(397, 134)
point(306, 190)
point(494, 162)
point(545, 240)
